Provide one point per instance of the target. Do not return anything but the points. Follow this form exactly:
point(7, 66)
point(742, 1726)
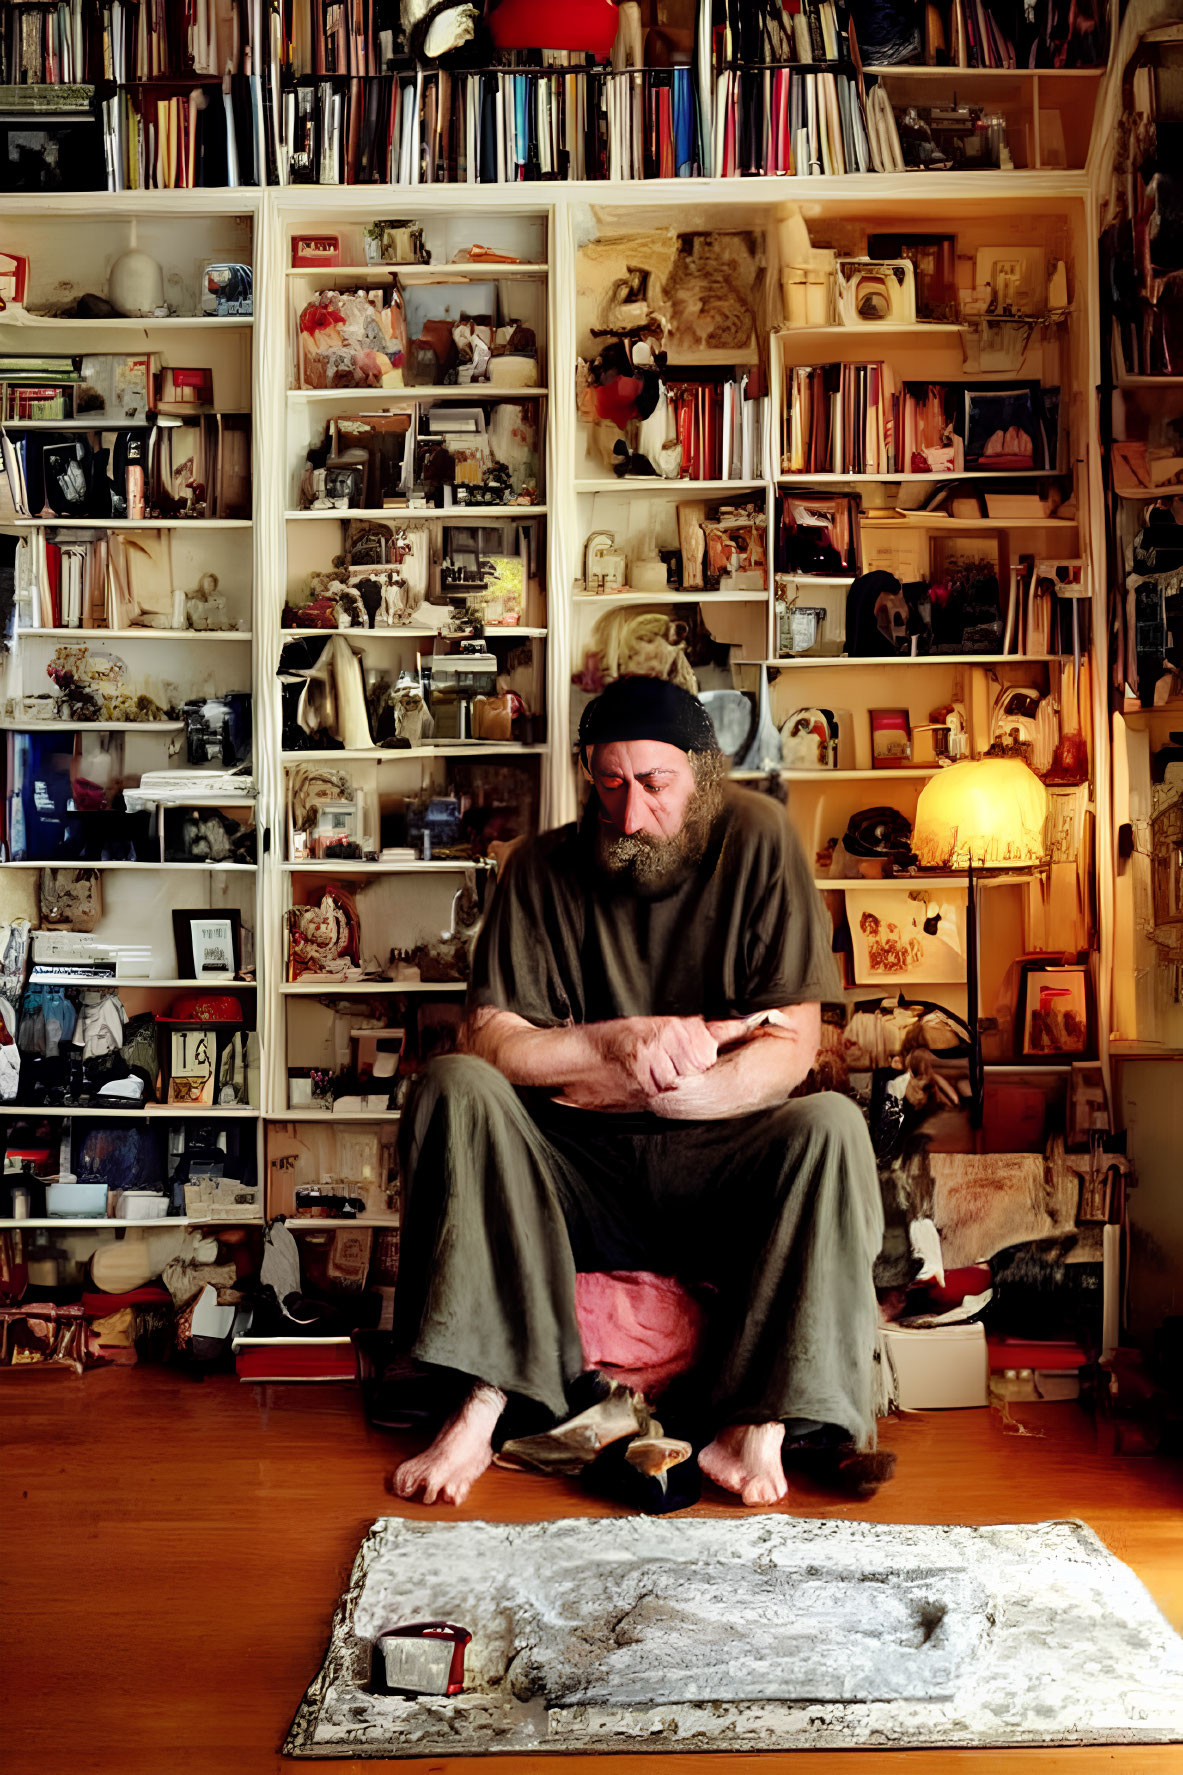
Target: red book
point(665, 127)
point(53, 572)
point(295, 1361)
point(1007, 1352)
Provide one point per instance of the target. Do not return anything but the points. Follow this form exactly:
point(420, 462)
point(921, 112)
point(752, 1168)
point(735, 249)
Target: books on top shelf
point(497, 126)
point(857, 419)
point(719, 425)
point(789, 120)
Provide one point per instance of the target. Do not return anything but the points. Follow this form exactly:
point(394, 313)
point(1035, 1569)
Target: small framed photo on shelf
point(310, 1087)
point(891, 739)
point(1054, 1011)
point(192, 1062)
point(1003, 430)
point(208, 944)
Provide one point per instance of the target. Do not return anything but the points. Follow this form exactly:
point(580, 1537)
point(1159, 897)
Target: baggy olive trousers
point(507, 1195)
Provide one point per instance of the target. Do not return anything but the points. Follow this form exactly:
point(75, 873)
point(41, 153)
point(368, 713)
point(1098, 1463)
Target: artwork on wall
point(1053, 1011)
point(906, 935)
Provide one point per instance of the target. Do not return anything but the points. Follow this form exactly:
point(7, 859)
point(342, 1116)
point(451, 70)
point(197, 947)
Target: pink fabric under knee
point(638, 1327)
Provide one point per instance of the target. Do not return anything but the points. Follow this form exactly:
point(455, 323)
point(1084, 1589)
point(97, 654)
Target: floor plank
point(173, 1549)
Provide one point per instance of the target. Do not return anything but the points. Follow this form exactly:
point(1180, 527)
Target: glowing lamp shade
point(984, 811)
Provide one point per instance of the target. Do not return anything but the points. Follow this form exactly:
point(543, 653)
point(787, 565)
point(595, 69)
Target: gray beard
point(649, 866)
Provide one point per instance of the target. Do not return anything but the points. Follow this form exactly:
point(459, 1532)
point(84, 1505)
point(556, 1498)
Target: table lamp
point(984, 813)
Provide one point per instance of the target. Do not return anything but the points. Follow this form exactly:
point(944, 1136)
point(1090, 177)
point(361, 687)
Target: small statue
point(325, 939)
point(204, 609)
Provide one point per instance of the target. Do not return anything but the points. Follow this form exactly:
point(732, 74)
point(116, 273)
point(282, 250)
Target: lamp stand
point(976, 1083)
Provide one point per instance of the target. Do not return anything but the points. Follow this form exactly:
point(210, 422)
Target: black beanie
point(638, 708)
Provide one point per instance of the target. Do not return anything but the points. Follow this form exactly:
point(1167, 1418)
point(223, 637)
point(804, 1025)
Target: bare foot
point(745, 1458)
point(447, 1471)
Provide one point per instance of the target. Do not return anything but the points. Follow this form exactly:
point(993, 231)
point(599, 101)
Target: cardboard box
point(942, 1368)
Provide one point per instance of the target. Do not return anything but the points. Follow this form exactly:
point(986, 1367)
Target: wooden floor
point(172, 1550)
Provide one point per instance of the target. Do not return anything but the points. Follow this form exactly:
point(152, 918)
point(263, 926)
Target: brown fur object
point(851, 1472)
point(984, 1202)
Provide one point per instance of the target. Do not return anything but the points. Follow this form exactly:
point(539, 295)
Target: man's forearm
point(528, 1056)
point(758, 1074)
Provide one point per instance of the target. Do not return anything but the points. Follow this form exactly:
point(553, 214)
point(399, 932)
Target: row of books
point(104, 388)
point(856, 419)
point(720, 427)
point(840, 419)
point(125, 41)
point(792, 121)
point(209, 136)
point(104, 581)
point(484, 128)
point(769, 31)
point(194, 469)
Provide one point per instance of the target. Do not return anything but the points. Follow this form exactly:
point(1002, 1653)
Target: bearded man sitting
point(646, 994)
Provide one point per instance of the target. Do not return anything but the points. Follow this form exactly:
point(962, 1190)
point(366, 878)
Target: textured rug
point(767, 1633)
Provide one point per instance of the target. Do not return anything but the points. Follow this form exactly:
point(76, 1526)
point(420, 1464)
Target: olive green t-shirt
point(746, 932)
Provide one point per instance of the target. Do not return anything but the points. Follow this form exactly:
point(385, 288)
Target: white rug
point(767, 1633)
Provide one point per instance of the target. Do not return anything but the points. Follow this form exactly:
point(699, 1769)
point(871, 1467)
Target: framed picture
point(208, 944)
point(891, 739)
point(1003, 430)
point(191, 1063)
point(904, 934)
point(1053, 1016)
point(935, 259)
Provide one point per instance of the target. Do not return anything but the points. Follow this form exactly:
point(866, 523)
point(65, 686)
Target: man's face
point(644, 787)
point(654, 816)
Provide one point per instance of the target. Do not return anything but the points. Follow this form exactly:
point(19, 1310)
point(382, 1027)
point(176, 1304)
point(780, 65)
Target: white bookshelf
point(545, 224)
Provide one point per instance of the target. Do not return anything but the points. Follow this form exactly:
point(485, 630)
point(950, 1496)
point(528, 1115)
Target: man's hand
point(653, 1053)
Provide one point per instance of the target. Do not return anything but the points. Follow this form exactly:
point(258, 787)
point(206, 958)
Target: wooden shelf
point(468, 392)
point(85, 863)
point(656, 484)
point(368, 988)
point(423, 274)
point(607, 599)
point(109, 1223)
point(92, 726)
point(916, 70)
point(502, 632)
point(801, 478)
point(328, 1115)
point(321, 866)
point(941, 879)
point(456, 514)
point(137, 1112)
point(800, 660)
point(125, 523)
point(900, 520)
point(121, 326)
point(121, 636)
point(919, 771)
point(122, 983)
point(446, 749)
